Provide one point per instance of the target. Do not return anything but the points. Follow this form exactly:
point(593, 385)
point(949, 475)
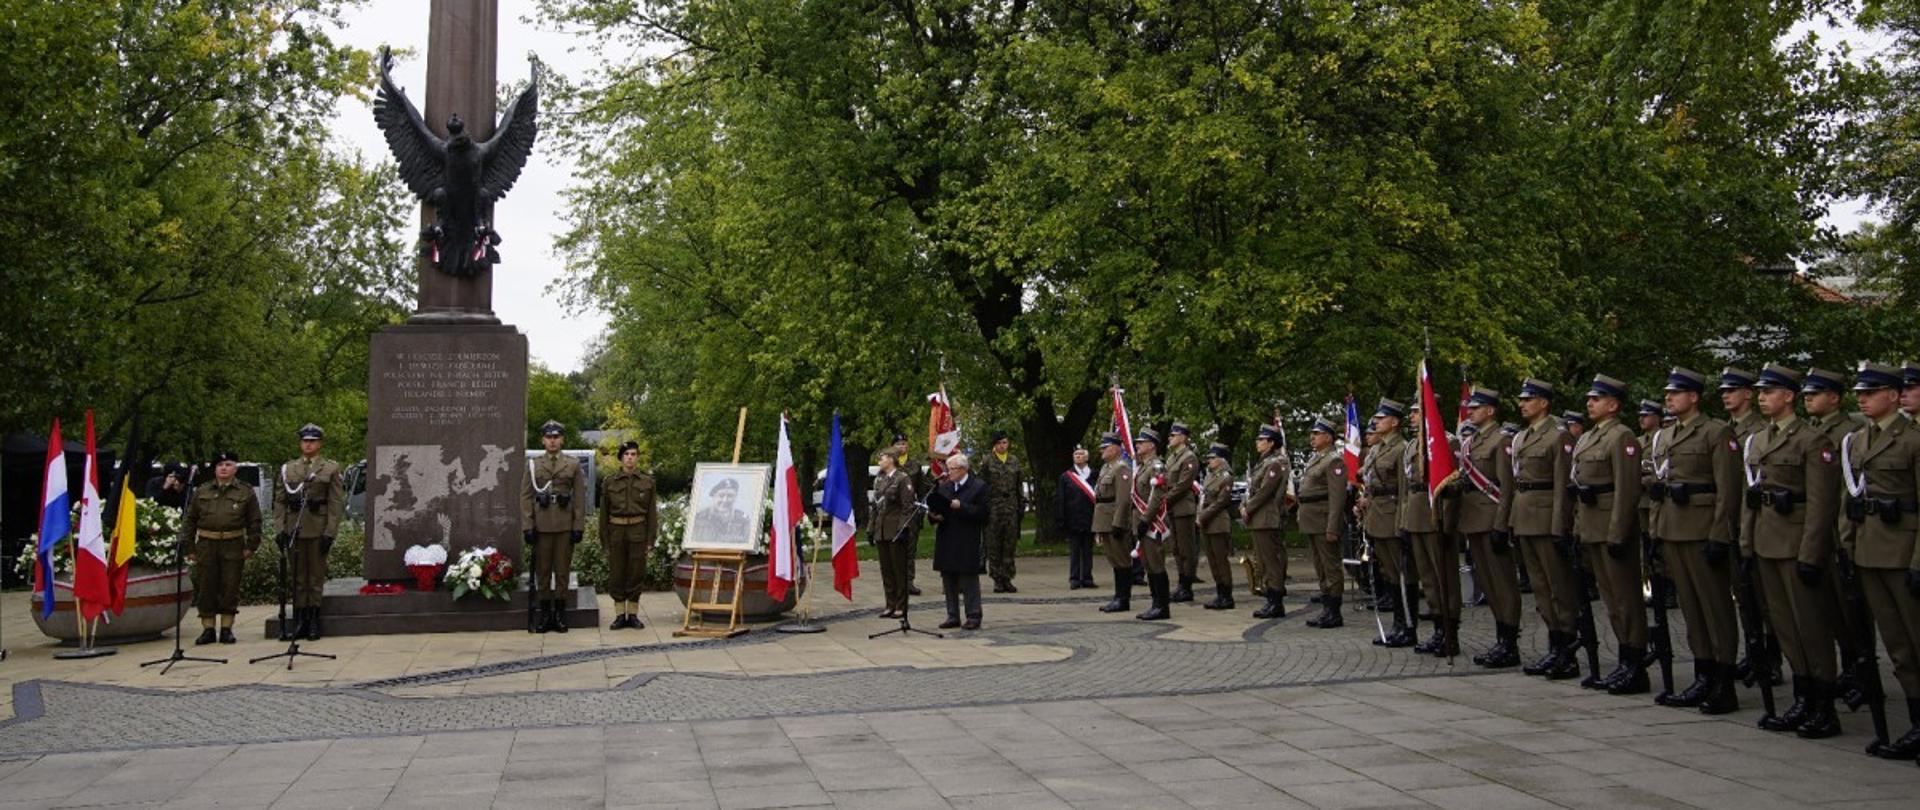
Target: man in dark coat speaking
point(958, 507)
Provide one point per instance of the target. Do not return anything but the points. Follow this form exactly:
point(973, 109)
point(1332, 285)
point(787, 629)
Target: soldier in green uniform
point(1152, 528)
point(1736, 396)
point(1605, 480)
point(1183, 493)
point(1910, 390)
point(1789, 523)
point(1380, 520)
point(1821, 392)
point(553, 516)
point(1262, 512)
point(893, 500)
point(1486, 472)
point(1216, 523)
point(1113, 517)
point(1435, 559)
point(1322, 494)
point(916, 478)
point(307, 507)
point(1006, 504)
point(1651, 414)
point(1881, 474)
point(629, 525)
point(1696, 482)
point(1537, 515)
point(222, 522)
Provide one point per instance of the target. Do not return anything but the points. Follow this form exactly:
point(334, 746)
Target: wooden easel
point(715, 564)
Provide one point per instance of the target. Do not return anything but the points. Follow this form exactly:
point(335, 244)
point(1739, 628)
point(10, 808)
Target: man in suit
point(1881, 475)
point(959, 507)
point(1536, 514)
point(1073, 508)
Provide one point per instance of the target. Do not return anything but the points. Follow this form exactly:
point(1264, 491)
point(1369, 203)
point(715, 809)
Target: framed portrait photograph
point(723, 513)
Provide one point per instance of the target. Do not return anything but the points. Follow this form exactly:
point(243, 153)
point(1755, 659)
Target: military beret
point(1573, 417)
point(1111, 439)
point(225, 455)
point(552, 428)
point(1875, 376)
point(1325, 425)
point(1483, 396)
point(1774, 375)
point(1910, 374)
point(1536, 388)
point(725, 485)
point(1605, 386)
point(311, 431)
point(1388, 407)
point(1148, 435)
point(1731, 377)
point(1820, 379)
point(1179, 429)
point(1218, 450)
point(997, 437)
point(1685, 379)
point(1270, 433)
point(625, 446)
point(1649, 408)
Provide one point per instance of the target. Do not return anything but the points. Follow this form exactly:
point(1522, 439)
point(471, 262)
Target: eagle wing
point(422, 155)
point(505, 154)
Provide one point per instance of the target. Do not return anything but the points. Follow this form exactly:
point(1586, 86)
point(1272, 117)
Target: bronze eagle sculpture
point(459, 177)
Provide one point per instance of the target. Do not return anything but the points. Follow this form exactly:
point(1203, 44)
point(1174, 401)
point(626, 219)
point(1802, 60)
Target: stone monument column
point(462, 46)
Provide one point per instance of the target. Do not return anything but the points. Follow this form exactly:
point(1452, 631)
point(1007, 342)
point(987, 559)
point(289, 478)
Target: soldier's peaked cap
point(1111, 439)
point(1605, 386)
point(1218, 450)
point(1148, 435)
point(1686, 379)
point(552, 428)
point(725, 485)
point(1649, 408)
point(1179, 429)
point(1322, 424)
point(1388, 407)
point(225, 455)
point(1875, 376)
point(1732, 377)
point(1774, 375)
point(1820, 379)
point(1270, 433)
point(1910, 374)
point(312, 431)
point(1483, 396)
point(1573, 417)
point(1536, 388)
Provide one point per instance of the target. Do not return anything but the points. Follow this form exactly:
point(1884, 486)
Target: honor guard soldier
point(1113, 520)
point(1322, 493)
point(1537, 515)
point(1486, 472)
point(1183, 493)
point(1651, 415)
point(1910, 390)
point(1736, 396)
point(916, 476)
point(1605, 482)
point(1434, 557)
point(1006, 502)
point(553, 516)
point(1216, 524)
point(1262, 512)
point(1880, 470)
point(307, 508)
point(223, 523)
point(1151, 528)
point(1575, 422)
point(1792, 481)
point(1695, 486)
point(1821, 392)
point(629, 525)
point(1380, 519)
point(893, 503)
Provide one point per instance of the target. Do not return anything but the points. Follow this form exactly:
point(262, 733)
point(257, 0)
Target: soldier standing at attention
point(1183, 492)
point(1216, 523)
point(1736, 395)
point(1262, 511)
point(1910, 390)
point(893, 500)
point(1792, 485)
point(1537, 514)
point(1073, 510)
point(1002, 474)
point(223, 523)
point(553, 517)
point(1487, 472)
point(1821, 391)
point(317, 489)
point(1881, 473)
point(1150, 488)
point(1113, 520)
point(1696, 480)
point(1380, 518)
point(629, 523)
point(916, 477)
point(1323, 515)
point(1575, 422)
point(1435, 558)
point(1651, 414)
point(1605, 480)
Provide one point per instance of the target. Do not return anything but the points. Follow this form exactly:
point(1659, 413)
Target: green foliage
point(260, 574)
point(556, 396)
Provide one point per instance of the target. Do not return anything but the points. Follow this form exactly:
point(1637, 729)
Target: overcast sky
point(530, 216)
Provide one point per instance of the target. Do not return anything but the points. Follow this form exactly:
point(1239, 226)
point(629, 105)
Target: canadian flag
point(788, 511)
point(943, 433)
point(91, 591)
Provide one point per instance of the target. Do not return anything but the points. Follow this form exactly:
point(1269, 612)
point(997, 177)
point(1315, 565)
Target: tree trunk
point(1049, 443)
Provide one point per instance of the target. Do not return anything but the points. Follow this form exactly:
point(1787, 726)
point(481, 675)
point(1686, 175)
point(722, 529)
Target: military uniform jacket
point(325, 497)
point(1648, 507)
point(1323, 494)
point(1215, 500)
point(1534, 504)
point(222, 510)
point(1266, 488)
point(1150, 484)
point(1747, 425)
point(1699, 457)
point(1183, 471)
point(1003, 483)
point(555, 474)
point(1416, 508)
point(1795, 462)
point(1886, 472)
point(1486, 452)
point(1606, 464)
point(1380, 474)
point(628, 495)
point(1113, 499)
point(892, 501)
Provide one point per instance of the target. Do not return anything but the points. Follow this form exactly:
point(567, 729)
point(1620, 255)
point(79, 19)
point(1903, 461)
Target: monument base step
point(345, 611)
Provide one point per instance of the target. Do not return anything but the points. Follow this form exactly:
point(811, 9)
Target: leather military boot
point(1157, 584)
point(559, 616)
point(1545, 661)
point(546, 617)
point(1908, 746)
point(1795, 715)
point(1506, 648)
point(1822, 722)
point(1330, 615)
point(1721, 697)
point(1184, 593)
point(1393, 635)
point(1694, 694)
point(1272, 609)
point(1222, 599)
point(1634, 681)
point(1122, 592)
point(1566, 661)
point(313, 624)
point(1432, 643)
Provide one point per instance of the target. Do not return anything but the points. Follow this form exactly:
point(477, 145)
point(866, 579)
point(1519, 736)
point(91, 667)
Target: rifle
point(1867, 669)
point(1583, 622)
point(1660, 650)
point(1762, 650)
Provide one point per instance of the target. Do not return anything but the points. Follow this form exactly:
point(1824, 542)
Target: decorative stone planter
point(151, 601)
point(755, 604)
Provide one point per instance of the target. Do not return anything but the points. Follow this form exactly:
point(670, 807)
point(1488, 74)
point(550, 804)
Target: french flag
point(56, 516)
point(1350, 449)
point(838, 503)
point(787, 513)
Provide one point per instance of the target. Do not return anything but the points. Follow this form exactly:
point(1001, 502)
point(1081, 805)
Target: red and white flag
point(943, 433)
point(788, 510)
point(1433, 436)
point(90, 588)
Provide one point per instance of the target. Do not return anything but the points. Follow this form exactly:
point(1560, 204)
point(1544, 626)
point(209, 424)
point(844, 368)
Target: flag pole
point(805, 623)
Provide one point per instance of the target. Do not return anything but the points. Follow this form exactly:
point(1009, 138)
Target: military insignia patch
point(1826, 456)
point(1633, 450)
point(1566, 448)
point(1734, 445)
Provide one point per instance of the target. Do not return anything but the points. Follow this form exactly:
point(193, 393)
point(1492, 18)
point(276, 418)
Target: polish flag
point(838, 503)
point(1433, 436)
point(90, 590)
point(788, 511)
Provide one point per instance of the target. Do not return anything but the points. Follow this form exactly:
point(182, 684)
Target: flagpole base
point(799, 627)
point(87, 652)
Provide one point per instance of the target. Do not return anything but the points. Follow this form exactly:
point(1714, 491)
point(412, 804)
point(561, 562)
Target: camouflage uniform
point(1005, 507)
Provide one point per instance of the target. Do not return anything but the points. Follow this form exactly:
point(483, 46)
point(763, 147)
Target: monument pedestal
point(345, 611)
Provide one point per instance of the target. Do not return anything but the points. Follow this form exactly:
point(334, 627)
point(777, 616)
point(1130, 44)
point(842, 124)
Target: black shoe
point(1329, 617)
point(1122, 593)
point(913, 590)
point(1721, 697)
point(207, 636)
point(1847, 689)
point(1795, 715)
point(1222, 598)
point(1821, 722)
point(1565, 665)
point(559, 616)
point(999, 587)
point(634, 623)
point(1432, 644)
point(1908, 746)
point(1634, 681)
point(970, 624)
point(1089, 583)
point(1273, 609)
point(313, 624)
point(1008, 588)
point(1183, 593)
point(1545, 662)
point(546, 618)
point(1160, 588)
point(226, 636)
point(1074, 585)
point(620, 622)
point(1696, 693)
point(1316, 598)
point(949, 624)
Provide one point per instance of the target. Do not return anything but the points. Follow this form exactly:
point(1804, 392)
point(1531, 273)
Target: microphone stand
point(179, 610)
point(293, 650)
point(906, 536)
